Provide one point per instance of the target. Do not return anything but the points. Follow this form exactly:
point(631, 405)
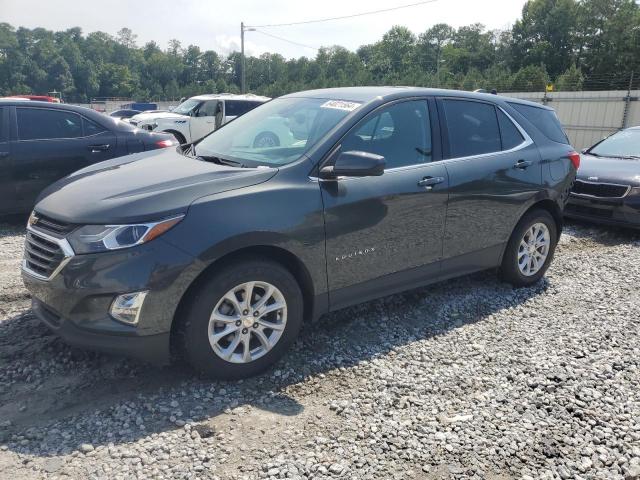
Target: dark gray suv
point(222, 248)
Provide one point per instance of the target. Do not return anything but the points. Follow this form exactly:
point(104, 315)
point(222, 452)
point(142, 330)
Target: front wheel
point(530, 249)
point(242, 319)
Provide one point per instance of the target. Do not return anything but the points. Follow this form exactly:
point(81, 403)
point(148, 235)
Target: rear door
point(51, 144)
point(494, 170)
point(7, 189)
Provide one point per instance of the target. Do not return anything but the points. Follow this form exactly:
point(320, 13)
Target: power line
point(305, 22)
point(285, 40)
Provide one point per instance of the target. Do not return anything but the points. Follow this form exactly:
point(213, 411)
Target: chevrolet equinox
point(220, 249)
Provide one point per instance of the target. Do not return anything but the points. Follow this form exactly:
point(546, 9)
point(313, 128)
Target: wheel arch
point(552, 207)
point(278, 254)
point(174, 133)
point(547, 204)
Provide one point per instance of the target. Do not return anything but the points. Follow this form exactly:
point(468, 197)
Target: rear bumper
point(623, 212)
point(150, 348)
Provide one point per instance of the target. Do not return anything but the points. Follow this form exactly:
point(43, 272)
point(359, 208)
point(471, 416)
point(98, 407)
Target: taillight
point(166, 143)
point(575, 159)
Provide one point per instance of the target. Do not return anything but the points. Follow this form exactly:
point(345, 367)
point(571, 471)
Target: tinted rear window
point(473, 128)
point(234, 108)
point(91, 128)
point(544, 120)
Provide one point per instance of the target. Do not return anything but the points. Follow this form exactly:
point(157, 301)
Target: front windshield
point(622, 144)
point(185, 107)
point(277, 132)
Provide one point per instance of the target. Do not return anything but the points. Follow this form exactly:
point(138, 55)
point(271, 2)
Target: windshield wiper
point(221, 161)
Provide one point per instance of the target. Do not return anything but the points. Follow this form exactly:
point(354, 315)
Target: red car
point(39, 98)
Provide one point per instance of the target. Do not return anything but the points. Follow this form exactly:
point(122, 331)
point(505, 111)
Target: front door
point(494, 169)
point(383, 233)
point(204, 120)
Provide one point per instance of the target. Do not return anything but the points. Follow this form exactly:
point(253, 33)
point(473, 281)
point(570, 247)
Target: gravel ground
point(465, 379)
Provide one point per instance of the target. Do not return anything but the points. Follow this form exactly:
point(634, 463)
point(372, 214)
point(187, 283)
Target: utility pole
point(243, 63)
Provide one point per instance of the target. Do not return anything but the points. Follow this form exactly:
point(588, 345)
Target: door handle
point(429, 182)
point(98, 148)
point(522, 164)
point(4, 154)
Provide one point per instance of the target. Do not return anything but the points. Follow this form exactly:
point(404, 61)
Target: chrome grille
point(49, 225)
point(601, 190)
point(44, 256)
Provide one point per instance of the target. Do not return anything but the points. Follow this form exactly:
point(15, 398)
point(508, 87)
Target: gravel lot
point(465, 379)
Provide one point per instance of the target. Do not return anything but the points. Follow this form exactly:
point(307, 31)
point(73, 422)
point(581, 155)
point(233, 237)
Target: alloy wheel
point(534, 249)
point(247, 322)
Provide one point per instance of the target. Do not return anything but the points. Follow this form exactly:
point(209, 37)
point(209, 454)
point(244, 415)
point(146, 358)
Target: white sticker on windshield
point(341, 105)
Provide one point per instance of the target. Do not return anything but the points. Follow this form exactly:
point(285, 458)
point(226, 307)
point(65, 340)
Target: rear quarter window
point(544, 120)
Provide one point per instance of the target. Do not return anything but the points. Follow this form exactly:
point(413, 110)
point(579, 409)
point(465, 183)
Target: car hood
point(623, 171)
point(144, 186)
point(150, 117)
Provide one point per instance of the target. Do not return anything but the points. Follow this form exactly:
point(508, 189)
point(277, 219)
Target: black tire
point(195, 328)
point(509, 271)
point(179, 137)
point(266, 139)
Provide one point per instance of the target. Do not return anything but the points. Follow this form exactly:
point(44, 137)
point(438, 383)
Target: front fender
point(277, 213)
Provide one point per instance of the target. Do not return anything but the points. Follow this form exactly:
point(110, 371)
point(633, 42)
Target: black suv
point(221, 249)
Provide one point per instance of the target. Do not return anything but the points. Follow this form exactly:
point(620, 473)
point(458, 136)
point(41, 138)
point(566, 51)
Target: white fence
point(589, 116)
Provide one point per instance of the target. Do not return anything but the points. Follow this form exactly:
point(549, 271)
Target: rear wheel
point(530, 249)
point(242, 319)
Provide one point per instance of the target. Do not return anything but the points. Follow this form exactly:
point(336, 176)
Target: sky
point(215, 24)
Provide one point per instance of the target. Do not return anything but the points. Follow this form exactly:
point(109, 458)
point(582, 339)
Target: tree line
point(570, 44)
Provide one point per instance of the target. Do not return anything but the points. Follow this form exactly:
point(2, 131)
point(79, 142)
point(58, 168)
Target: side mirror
point(355, 164)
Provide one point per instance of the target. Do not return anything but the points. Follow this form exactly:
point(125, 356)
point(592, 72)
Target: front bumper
point(151, 348)
point(623, 212)
point(75, 303)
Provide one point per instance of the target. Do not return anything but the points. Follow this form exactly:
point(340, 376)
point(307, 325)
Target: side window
point(235, 108)
point(511, 136)
point(400, 133)
point(208, 108)
point(44, 124)
point(473, 128)
point(91, 128)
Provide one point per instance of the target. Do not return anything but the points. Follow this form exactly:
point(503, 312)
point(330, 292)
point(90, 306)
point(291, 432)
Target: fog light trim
point(126, 308)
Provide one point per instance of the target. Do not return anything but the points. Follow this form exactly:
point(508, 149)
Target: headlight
point(99, 238)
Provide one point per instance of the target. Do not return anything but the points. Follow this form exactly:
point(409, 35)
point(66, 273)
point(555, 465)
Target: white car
point(198, 116)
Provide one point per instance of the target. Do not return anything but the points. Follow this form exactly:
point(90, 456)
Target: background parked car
point(198, 116)
point(43, 142)
point(607, 187)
